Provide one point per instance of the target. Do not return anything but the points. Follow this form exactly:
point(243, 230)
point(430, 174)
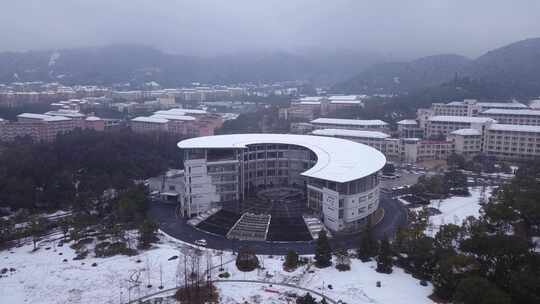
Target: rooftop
point(343, 97)
point(527, 112)
point(466, 132)
point(511, 105)
point(515, 128)
point(173, 117)
point(33, 116)
point(338, 160)
point(462, 119)
point(150, 119)
point(407, 122)
point(350, 133)
point(356, 122)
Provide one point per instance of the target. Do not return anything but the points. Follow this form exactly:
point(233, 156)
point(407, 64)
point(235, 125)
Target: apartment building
point(466, 142)
point(442, 126)
point(512, 142)
point(409, 128)
point(471, 107)
point(43, 127)
point(351, 124)
point(513, 116)
point(373, 139)
point(183, 122)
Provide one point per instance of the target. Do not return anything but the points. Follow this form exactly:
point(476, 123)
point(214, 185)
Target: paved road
point(164, 214)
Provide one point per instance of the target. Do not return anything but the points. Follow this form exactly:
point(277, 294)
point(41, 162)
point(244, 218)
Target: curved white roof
point(338, 160)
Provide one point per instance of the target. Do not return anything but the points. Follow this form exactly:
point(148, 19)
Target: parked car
point(201, 242)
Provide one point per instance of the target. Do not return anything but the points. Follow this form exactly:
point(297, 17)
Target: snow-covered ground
point(457, 208)
point(43, 277)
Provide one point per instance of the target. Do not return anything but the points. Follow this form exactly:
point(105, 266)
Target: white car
point(201, 242)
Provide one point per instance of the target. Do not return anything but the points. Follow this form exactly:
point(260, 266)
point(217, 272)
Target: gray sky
point(400, 27)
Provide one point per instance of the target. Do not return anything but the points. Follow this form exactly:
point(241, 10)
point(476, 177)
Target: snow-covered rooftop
point(527, 112)
point(93, 118)
point(56, 118)
point(346, 101)
point(173, 117)
point(356, 122)
point(67, 113)
point(338, 159)
point(466, 132)
point(510, 105)
point(33, 116)
point(350, 133)
point(407, 122)
point(515, 128)
point(462, 119)
point(308, 102)
point(343, 97)
point(150, 119)
point(311, 98)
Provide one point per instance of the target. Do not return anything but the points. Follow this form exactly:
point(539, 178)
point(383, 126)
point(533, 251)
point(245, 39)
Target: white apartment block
point(514, 117)
point(512, 142)
point(442, 126)
point(471, 107)
point(466, 142)
point(351, 124)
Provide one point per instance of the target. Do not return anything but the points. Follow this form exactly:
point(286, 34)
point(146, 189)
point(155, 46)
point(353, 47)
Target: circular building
point(338, 179)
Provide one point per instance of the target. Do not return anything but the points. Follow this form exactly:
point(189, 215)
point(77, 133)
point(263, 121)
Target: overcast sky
point(400, 27)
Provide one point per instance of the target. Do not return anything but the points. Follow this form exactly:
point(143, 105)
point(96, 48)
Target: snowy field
point(457, 208)
point(43, 277)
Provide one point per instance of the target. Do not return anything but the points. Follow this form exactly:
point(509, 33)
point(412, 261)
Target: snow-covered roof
point(462, 119)
point(93, 118)
point(515, 128)
point(350, 133)
point(56, 118)
point(177, 111)
point(66, 113)
point(174, 117)
point(338, 160)
point(466, 132)
point(511, 105)
point(311, 98)
point(343, 97)
point(356, 122)
point(346, 101)
point(407, 122)
point(33, 116)
point(527, 112)
point(150, 119)
point(302, 102)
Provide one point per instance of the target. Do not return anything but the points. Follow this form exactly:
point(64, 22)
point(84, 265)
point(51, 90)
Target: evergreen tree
point(291, 261)
point(478, 290)
point(384, 259)
point(323, 251)
point(307, 299)
point(147, 233)
point(368, 246)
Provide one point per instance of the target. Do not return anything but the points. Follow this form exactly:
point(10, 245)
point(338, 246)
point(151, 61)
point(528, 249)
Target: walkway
point(166, 291)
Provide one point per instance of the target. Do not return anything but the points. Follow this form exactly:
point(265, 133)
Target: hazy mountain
point(137, 64)
point(404, 76)
point(515, 67)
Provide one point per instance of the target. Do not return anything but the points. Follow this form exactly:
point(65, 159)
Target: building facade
point(340, 177)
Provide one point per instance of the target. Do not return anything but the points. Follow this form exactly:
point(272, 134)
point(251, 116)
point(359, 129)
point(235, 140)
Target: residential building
point(514, 117)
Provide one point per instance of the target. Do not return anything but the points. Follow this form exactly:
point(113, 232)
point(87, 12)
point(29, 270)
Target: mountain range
point(137, 64)
point(513, 69)
point(515, 66)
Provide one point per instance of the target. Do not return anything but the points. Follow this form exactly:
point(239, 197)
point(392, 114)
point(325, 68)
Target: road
point(164, 214)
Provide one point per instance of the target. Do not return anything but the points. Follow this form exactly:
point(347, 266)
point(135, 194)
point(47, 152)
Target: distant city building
point(45, 127)
point(351, 124)
point(441, 126)
point(514, 117)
